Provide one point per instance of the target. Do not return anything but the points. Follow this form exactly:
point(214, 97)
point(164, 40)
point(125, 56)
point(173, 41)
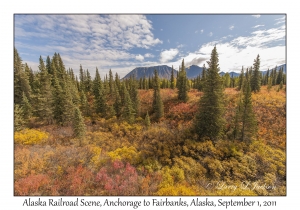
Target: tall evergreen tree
point(246, 115)
point(78, 124)
point(266, 80)
point(128, 112)
point(81, 77)
point(44, 97)
point(111, 82)
point(118, 103)
point(209, 121)
point(158, 106)
point(134, 95)
point(27, 109)
point(279, 78)
point(85, 107)
point(19, 122)
point(48, 65)
point(241, 79)
point(182, 84)
point(88, 81)
point(255, 78)
point(100, 97)
point(96, 83)
point(172, 81)
point(21, 80)
point(58, 102)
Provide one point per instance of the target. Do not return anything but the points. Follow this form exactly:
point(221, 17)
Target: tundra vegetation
point(102, 135)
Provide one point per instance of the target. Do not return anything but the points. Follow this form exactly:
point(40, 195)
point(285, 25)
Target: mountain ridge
point(164, 71)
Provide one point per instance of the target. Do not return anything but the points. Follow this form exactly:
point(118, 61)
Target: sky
point(124, 42)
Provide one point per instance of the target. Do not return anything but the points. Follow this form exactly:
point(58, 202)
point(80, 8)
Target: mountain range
point(164, 71)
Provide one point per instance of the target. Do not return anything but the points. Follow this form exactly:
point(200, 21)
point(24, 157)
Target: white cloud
point(202, 31)
point(90, 40)
point(280, 20)
point(231, 27)
point(149, 55)
point(168, 41)
point(210, 34)
point(168, 55)
point(196, 32)
point(256, 16)
point(261, 37)
point(258, 26)
point(139, 57)
point(242, 51)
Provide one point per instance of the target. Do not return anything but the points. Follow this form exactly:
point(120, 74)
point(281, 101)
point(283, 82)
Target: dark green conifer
point(247, 117)
point(128, 112)
point(78, 124)
point(255, 77)
point(21, 80)
point(172, 80)
point(241, 79)
point(118, 104)
point(182, 82)
point(19, 122)
point(158, 106)
point(209, 121)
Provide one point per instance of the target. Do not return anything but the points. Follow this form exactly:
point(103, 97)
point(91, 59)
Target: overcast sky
point(123, 42)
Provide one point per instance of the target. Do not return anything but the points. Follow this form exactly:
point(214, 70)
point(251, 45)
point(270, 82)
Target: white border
point(8, 8)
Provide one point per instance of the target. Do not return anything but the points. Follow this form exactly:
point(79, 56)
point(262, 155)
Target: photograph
point(149, 105)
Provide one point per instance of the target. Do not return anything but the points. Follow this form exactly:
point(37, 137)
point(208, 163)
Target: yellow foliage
point(151, 164)
point(128, 154)
point(96, 151)
point(171, 176)
point(30, 137)
point(176, 190)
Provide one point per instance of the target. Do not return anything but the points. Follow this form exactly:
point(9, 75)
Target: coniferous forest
point(102, 135)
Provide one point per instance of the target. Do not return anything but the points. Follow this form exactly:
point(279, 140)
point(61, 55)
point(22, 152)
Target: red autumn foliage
point(118, 179)
point(31, 185)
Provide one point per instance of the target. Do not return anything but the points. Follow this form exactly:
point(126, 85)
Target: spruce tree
point(84, 104)
point(19, 122)
point(280, 76)
point(269, 84)
point(27, 109)
point(128, 112)
point(266, 80)
point(182, 84)
point(134, 95)
point(172, 81)
point(111, 82)
point(78, 124)
point(209, 120)
point(96, 83)
point(117, 81)
point(58, 103)
point(88, 81)
point(118, 104)
point(21, 80)
point(158, 106)
point(255, 77)
point(44, 106)
point(48, 65)
point(247, 117)
point(241, 79)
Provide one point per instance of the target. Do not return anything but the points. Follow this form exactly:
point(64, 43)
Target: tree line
point(54, 95)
